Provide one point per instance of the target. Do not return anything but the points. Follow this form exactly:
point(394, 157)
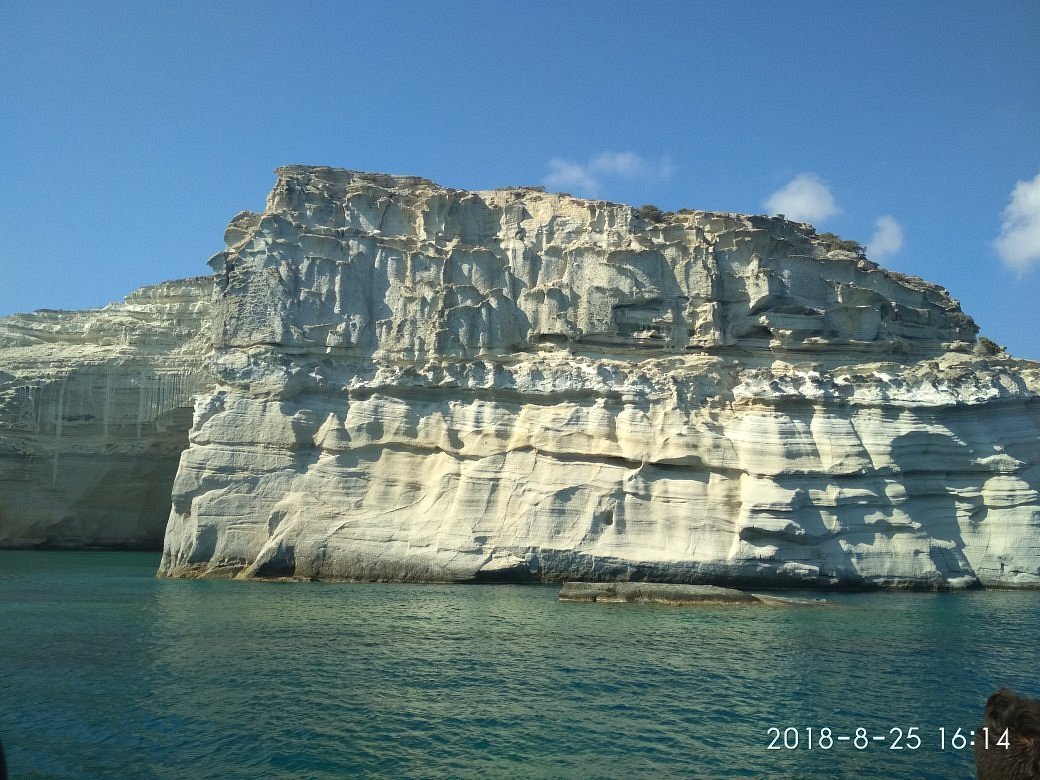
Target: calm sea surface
point(106, 671)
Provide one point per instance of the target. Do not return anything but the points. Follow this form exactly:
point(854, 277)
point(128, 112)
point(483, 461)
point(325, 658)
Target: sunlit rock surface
point(94, 411)
point(418, 383)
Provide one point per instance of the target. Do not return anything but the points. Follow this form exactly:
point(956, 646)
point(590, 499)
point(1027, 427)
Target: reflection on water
point(106, 670)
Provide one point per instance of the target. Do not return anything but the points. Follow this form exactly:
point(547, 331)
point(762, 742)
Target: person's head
point(1019, 717)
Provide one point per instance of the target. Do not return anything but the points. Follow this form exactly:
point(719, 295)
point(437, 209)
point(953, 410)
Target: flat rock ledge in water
point(654, 593)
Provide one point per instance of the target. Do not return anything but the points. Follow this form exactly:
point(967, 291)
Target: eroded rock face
point(94, 412)
point(416, 383)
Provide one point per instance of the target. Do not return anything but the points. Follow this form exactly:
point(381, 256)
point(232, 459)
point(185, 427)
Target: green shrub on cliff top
point(833, 241)
point(651, 213)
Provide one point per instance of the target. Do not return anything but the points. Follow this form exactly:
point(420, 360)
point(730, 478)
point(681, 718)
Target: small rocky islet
point(673, 594)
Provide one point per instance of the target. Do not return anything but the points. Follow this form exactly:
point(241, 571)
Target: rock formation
point(656, 593)
point(94, 412)
point(416, 383)
point(674, 594)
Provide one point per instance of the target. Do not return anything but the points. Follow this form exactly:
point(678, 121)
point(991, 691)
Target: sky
point(132, 132)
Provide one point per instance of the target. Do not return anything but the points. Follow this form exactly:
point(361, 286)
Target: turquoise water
point(106, 671)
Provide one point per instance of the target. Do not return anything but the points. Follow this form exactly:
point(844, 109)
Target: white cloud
point(804, 199)
point(887, 238)
point(1019, 241)
point(588, 178)
point(569, 176)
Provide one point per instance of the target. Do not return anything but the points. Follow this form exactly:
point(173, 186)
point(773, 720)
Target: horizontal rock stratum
point(410, 382)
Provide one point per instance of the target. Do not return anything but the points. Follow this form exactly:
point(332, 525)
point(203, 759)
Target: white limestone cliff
point(94, 410)
point(418, 383)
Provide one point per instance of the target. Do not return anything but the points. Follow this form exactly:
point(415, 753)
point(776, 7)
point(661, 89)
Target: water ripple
point(107, 671)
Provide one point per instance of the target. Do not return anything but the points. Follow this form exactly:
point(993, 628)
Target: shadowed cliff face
point(416, 383)
point(94, 412)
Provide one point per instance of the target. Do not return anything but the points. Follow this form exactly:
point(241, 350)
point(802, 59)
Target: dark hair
point(1020, 759)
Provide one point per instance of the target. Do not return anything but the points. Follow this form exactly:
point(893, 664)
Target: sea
point(108, 672)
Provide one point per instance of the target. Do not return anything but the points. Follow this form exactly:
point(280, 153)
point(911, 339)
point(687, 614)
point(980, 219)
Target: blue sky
point(130, 133)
